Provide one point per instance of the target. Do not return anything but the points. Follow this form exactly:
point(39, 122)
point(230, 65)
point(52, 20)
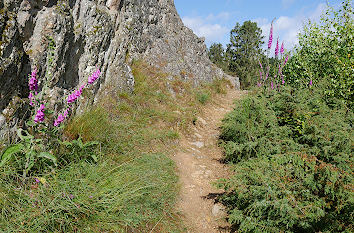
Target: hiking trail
point(198, 163)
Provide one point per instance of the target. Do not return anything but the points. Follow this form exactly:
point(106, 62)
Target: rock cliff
point(109, 34)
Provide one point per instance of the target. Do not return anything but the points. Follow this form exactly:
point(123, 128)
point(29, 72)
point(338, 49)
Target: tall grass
point(133, 186)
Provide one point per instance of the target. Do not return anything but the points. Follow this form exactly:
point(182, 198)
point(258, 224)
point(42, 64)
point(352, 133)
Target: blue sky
point(213, 19)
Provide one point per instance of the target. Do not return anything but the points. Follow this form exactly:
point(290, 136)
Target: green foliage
point(244, 51)
point(77, 150)
point(217, 55)
point(293, 163)
point(325, 55)
point(202, 97)
point(30, 154)
point(131, 186)
point(291, 192)
point(101, 197)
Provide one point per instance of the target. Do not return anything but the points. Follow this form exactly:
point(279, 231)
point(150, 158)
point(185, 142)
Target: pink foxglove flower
point(310, 84)
point(282, 48)
point(94, 76)
point(282, 79)
point(267, 73)
point(61, 117)
point(260, 65)
point(277, 48)
point(270, 41)
point(59, 120)
point(286, 60)
point(39, 117)
point(272, 85)
point(260, 75)
point(66, 113)
point(33, 82)
point(30, 97)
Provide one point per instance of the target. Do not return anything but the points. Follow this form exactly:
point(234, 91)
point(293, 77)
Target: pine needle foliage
point(292, 160)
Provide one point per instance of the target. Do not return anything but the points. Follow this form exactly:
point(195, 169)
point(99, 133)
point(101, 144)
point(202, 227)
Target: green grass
point(133, 186)
point(105, 197)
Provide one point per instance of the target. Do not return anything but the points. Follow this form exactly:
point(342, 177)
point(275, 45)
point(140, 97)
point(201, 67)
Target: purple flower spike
point(270, 41)
point(39, 117)
point(272, 85)
point(94, 76)
point(33, 82)
point(71, 99)
point(282, 48)
point(282, 79)
point(286, 60)
point(30, 97)
point(66, 113)
point(36, 180)
point(310, 84)
point(82, 88)
point(77, 94)
point(277, 48)
point(61, 117)
point(260, 65)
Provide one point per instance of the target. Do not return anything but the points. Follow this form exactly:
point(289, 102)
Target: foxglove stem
point(270, 37)
point(33, 82)
point(40, 114)
point(94, 76)
point(30, 97)
point(286, 60)
point(277, 48)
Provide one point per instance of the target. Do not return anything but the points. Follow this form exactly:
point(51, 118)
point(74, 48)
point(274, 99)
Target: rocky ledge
point(85, 34)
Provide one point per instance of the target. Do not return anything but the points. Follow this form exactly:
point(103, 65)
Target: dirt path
point(198, 165)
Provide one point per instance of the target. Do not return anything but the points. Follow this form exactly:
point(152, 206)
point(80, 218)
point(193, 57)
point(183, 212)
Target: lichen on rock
point(110, 34)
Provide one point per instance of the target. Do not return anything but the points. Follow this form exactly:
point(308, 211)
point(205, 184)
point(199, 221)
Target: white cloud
point(216, 27)
point(223, 16)
point(287, 3)
point(203, 27)
point(288, 28)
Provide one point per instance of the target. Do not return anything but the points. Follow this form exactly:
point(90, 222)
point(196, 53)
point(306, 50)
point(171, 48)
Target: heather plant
point(41, 137)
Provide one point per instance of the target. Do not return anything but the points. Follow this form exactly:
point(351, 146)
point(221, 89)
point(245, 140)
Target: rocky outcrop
point(108, 34)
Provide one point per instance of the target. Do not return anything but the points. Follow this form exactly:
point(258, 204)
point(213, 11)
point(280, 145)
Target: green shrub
point(202, 96)
point(325, 55)
point(293, 163)
point(289, 193)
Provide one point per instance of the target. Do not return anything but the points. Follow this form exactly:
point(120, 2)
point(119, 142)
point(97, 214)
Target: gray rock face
point(109, 34)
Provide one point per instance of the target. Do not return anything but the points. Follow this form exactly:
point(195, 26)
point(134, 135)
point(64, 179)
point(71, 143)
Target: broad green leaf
point(6, 156)
point(24, 137)
point(48, 155)
point(66, 143)
point(93, 143)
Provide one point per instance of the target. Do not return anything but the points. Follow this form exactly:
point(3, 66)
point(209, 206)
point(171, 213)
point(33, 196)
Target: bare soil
point(199, 165)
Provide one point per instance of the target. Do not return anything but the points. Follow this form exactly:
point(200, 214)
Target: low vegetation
point(124, 181)
point(291, 147)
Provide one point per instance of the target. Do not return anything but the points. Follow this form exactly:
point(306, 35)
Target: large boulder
point(109, 34)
